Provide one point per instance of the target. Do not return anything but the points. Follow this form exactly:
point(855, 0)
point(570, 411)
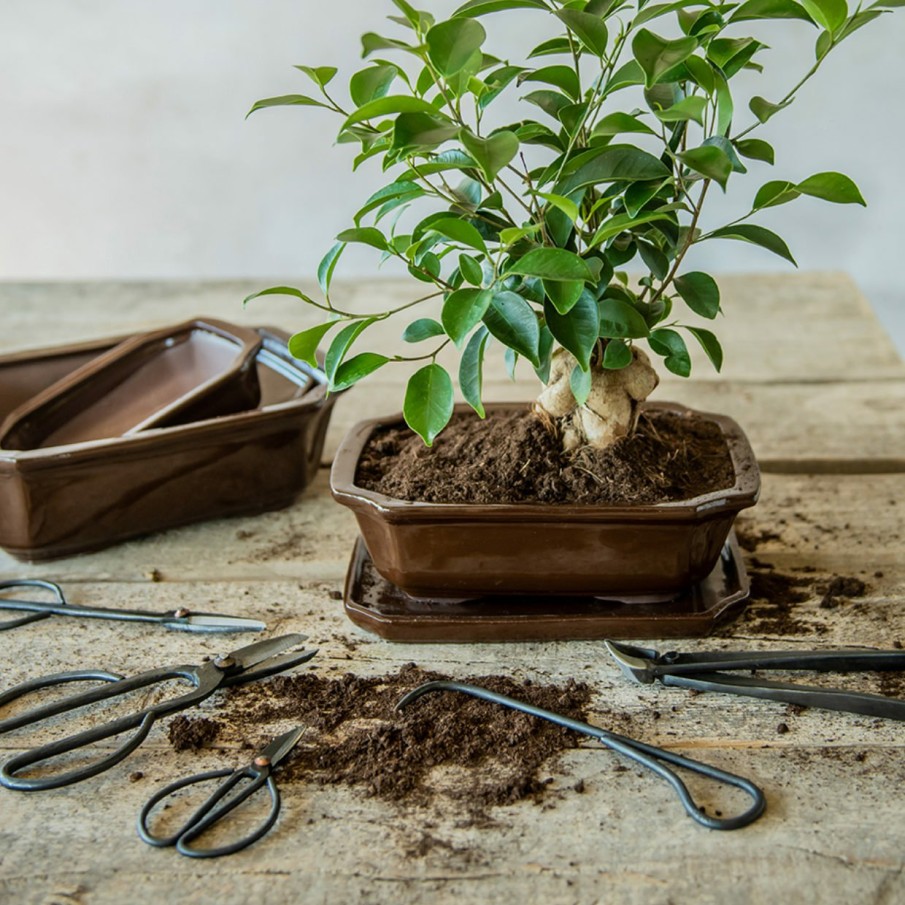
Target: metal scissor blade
point(271, 667)
point(281, 746)
point(246, 657)
point(635, 662)
point(211, 622)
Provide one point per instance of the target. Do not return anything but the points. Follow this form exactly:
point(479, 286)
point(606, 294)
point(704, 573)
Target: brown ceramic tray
point(59, 501)
point(375, 604)
point(196, 370)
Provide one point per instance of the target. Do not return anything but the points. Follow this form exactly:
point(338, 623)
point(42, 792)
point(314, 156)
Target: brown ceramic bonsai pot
point(641, 552)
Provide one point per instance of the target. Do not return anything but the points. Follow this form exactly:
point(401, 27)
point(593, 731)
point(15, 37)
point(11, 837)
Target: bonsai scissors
point(707, 671)
point(655, 759)
point(258, 771)
point(56, 604)
point(248, 664)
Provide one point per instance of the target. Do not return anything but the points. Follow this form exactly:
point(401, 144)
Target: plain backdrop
point(124, 151)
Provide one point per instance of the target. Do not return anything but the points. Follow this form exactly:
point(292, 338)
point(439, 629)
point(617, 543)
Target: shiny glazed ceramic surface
point(445, 550)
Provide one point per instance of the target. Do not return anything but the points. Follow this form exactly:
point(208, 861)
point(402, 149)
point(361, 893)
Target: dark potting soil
point(514, 457)
point(486, 754)
point(191, 733)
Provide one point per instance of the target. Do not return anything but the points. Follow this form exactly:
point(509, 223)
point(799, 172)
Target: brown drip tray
point(197, 370)
point(375, 604)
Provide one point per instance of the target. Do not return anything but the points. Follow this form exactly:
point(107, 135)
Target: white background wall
point(124, 152)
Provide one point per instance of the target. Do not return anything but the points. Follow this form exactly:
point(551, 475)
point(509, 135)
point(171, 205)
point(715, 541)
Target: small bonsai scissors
point(248, 664)
point(56, 604)
point(209, 813)
point(655, 759)
point(707, 671)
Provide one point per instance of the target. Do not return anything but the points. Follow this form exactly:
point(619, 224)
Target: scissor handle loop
point(205, 678)
point(53, 587)
point(209, 813)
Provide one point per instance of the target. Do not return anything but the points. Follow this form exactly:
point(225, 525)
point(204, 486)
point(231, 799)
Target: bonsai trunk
point(611, 409)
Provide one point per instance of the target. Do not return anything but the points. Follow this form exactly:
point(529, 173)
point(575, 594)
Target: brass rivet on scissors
point(182, 612)
point(224, 662)
point(262, 761)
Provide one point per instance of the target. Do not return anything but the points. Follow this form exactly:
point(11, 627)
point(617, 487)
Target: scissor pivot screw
point(262, 761)
point(224, 662)
point(181, 613)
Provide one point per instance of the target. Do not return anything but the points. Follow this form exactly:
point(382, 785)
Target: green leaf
point(353, 370)
point(620, 320)
point(710, 345)
point(493, 153)
point(371, 42)
point(626, 76)
point(563, 294)
point(387, 106)
point(755, 149)
point(772, 194)
point(732, 54)
point(476, 8)
point(834, 187)
point(341, 344)
point(280, 290)
point(451, 44)
point(689, 108)
point(554, 46)
point(702, 73)
point(372, 83)
point(770, 9)
point(303, 345)
point(471, 370)
point(560, 202)
point(327, 266)
point(366, 235)
point(552, 264)
point(421, 329)
point(471, 270)
point(618, 123)
point(657, 55)
point(463, 310)
point(590, 29)
point(580, 382)
point(421, 130)
point(726, 146)
point(700, 292)
point(830, 14)
point(513, 322)
point(622, 222)
point(617, 355)
point(546, 355)
point(711, 162)
point(402, 190)
point(756, 235)
point(320, 75)
point(764, 109)
point(428, 402)
point(460, 231)
point(578, 330)
point(286, 100)
point(615, 163)
point(672, 347)
point(562, 77)
point(640, 193)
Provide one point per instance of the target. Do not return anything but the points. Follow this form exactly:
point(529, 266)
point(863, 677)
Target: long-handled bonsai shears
point(712, 671)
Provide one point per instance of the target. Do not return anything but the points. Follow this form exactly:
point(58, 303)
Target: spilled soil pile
point(473, 751)
point(513, 457)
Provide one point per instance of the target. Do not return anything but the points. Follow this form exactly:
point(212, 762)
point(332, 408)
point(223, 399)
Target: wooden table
point(820, 390)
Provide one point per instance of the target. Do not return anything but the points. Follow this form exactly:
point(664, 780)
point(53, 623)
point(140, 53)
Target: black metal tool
point(220, 803)
point(710, 671)
point(247, 664)
point(53, 603)
point(647, 755)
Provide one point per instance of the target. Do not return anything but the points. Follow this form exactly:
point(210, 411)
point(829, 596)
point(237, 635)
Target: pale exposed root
point(611, 409)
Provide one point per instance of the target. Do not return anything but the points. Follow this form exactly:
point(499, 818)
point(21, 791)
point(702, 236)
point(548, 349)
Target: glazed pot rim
point(742, 494)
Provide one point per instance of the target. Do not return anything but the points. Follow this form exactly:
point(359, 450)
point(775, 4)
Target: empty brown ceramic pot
point(197, 370)
point(59, 501)
point(450, 550)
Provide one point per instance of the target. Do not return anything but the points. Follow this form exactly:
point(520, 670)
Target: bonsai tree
point(526, 231)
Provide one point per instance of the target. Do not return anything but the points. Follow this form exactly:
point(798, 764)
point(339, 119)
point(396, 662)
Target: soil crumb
point(512, 457)
point(190, 734)
point(469, 750)
point(840, 589)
